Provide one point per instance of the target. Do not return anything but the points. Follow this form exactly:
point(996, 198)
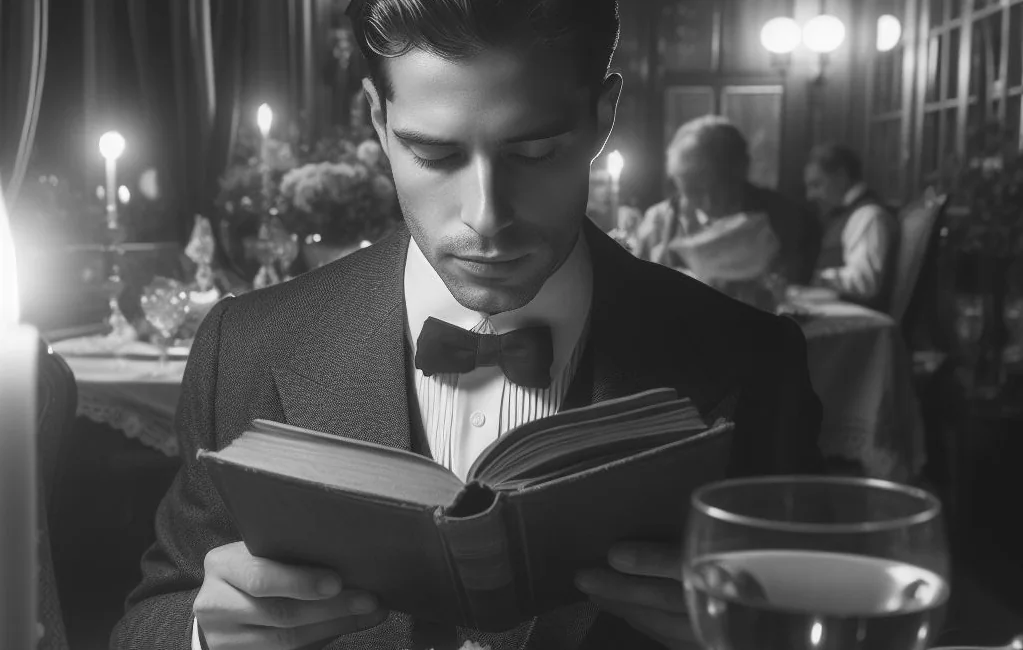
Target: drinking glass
point(815, 563)
point(165, 303)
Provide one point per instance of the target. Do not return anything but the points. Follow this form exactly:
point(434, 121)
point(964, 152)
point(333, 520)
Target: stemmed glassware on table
point(815, 563)
point(165, 303)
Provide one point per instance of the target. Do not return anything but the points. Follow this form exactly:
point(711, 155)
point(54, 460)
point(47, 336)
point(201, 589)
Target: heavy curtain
point(189, 57)
point(23, 45)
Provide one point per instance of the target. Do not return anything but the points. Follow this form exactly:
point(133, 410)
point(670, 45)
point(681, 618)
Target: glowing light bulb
point(824, 34)
point(780, 35)
point(889, 33)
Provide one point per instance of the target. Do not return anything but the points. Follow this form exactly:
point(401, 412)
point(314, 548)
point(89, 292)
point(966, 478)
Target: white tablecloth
point(130, 393)
point(863, 374)
point(857, 361)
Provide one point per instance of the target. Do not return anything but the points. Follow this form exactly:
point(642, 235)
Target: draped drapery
point(23, 46)
point(189, 56)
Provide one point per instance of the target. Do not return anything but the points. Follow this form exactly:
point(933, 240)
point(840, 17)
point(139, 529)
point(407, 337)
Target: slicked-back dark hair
point(458, 29)
point(834, 157)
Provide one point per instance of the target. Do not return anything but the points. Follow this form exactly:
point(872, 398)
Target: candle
point(111, 146)
point(19, 346)
point(265, 119)
point(615, 164)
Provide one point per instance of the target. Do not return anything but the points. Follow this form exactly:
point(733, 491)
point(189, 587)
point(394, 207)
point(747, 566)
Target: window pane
point(949, 142)
point(1012, 115)
point(937, 12)
point(952, 73)
point(756, 110)
point(684, 103)
point(929, 152)
point(955, 8)
point(1015, 46)
point(933, 68)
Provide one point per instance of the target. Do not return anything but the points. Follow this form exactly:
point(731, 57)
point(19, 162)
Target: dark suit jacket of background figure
point(328, 351)
point(797, 228)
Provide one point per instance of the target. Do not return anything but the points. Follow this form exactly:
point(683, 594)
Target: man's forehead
point(495, 83)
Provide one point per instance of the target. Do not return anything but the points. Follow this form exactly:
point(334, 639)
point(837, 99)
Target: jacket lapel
point(345, 373)
point(624, 352)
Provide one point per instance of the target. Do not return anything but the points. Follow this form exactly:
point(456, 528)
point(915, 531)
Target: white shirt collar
point(854, 193)
point(563, 302)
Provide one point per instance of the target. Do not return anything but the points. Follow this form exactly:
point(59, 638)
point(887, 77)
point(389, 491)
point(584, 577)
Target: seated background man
point(857, 256)
point(708, 164)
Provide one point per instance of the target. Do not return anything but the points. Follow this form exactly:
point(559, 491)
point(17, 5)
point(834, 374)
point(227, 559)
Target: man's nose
point(482, 207)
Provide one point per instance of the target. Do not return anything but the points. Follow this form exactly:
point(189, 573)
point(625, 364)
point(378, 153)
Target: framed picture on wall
point(688, 38)
point(757, 111)
point(684, 103)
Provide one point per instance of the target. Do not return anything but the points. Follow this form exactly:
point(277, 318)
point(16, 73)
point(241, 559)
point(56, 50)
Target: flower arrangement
point(336, 189)
point(989, 185)
point(346, 197)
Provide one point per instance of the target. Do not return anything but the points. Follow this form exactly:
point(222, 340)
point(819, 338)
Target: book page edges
point(214, 458)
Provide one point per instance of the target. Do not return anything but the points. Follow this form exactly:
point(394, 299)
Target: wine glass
point(815, 563)
point(165, 303)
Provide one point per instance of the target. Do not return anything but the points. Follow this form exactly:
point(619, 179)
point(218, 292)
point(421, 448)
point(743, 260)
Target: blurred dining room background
point(157, 155)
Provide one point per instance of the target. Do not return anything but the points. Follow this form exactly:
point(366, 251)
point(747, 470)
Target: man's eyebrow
point(544, 132)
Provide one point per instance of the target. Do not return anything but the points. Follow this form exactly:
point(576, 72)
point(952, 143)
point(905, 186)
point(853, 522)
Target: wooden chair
point(57, 403)
point(920, 225)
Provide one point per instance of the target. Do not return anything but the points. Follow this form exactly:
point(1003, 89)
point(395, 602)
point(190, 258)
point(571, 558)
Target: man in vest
point(857, 257)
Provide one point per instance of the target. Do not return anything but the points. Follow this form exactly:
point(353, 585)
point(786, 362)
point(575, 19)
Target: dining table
point(857, 360)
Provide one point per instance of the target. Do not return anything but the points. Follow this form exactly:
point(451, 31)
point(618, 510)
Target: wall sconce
point(823, 34)
point(781, 36)
point(889, 33)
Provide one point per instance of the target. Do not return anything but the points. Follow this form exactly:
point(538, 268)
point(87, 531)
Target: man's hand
point(248, 602)
point(645, 590)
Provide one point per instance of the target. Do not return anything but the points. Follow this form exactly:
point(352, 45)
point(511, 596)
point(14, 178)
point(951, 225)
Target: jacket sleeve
point(190, 521)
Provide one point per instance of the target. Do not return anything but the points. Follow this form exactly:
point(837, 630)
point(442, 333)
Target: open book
point(541, 502)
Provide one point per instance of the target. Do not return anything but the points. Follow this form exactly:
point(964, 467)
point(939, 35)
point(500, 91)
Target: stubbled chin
point(488, 300)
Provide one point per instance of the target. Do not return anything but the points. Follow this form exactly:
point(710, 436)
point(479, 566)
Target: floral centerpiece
point(989, 185)
point(335, 193)
point(985, 246)
point(344, 200)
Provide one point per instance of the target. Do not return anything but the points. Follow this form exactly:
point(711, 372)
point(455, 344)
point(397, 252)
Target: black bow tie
point(524, 355)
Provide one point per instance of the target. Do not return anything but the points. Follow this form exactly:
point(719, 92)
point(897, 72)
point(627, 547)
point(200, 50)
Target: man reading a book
point(499, 304)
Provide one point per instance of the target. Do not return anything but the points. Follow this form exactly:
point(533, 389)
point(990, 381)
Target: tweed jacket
point(327, 351)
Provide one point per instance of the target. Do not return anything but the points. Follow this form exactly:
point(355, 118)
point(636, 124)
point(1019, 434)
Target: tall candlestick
point(19, 347)
point(264, 120)
point(111, 146)
point(615, 164)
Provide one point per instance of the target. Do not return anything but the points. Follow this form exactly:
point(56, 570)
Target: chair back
point(57, 404)
point(919, 230)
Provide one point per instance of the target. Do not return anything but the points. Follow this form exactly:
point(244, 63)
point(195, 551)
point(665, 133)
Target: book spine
point(479, 549)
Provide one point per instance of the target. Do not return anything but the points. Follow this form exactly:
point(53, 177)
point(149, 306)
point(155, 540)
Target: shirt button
point(478, 419)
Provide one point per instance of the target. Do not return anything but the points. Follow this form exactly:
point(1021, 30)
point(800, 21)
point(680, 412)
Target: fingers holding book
point(644, 589)
point(251, 602)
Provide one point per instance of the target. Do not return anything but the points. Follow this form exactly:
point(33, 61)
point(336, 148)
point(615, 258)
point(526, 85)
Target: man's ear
point(377, 113)
point(607, 109)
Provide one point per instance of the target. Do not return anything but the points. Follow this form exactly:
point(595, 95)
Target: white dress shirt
point(866, 242)
point(463, 414)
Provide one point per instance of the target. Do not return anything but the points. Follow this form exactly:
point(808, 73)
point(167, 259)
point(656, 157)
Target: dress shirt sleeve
point(866, 242)
point(651, 230)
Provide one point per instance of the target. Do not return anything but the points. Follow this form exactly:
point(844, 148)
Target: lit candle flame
point(615, 165)
point(265, 119)
point(9, 308)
